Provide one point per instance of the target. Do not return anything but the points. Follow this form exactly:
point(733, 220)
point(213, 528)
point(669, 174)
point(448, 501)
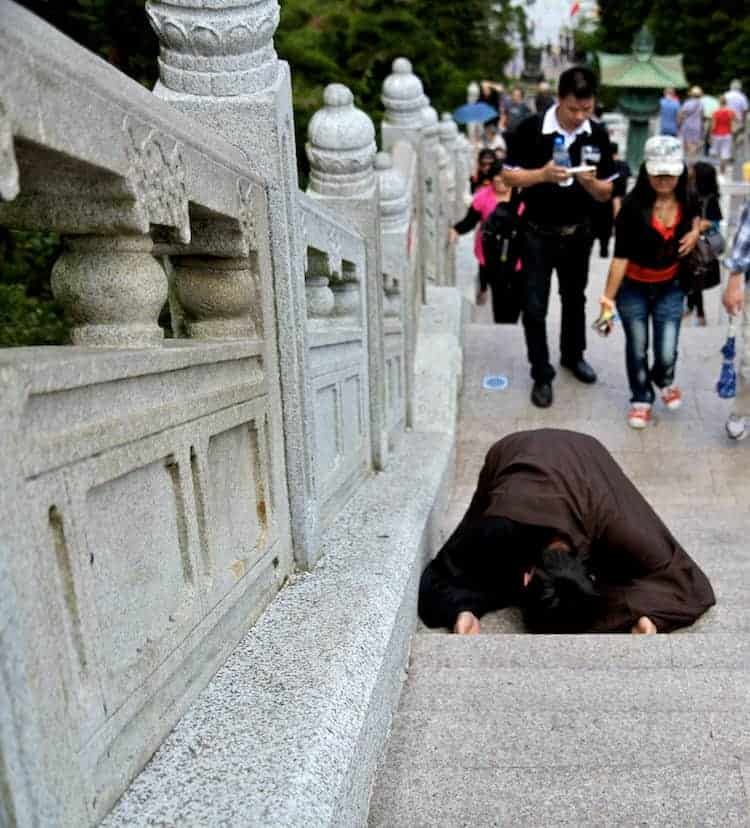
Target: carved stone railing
point(159, 491)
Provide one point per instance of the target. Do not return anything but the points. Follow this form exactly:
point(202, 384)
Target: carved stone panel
point(237, 496)
point(143, 579)
point(157, 177)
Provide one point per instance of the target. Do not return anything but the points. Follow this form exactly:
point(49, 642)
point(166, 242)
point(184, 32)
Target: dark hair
point(705, 179)
point(645, 194)
point(486, 153)
point(561, 597)
point(614, 147)
point(495, 169)
point(578, 81)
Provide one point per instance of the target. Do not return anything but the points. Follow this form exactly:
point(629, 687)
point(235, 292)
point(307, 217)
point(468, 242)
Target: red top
point(650, 274)
point(722, 121)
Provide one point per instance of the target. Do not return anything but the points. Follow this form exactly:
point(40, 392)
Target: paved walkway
point(511, 729)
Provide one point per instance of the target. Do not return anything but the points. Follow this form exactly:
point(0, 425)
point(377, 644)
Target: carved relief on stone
point(246, 214)
point(334, 253)
point(216, 51)
point(157, 177)
point(9, 186)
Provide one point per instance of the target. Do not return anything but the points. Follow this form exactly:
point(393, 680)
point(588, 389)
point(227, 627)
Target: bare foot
point(466, 624)
point(644, 626)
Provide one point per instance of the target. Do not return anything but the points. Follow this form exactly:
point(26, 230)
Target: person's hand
point(553, 173)
point(452, 235)
point(482, 296)
point(466, 624)
point(644, 626)
point(606, 319)
point(688, 241)
point(734, 294)
point(587, 177)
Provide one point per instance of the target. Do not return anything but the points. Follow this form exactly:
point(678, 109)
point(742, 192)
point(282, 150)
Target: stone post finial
point(430, 123)
point(220, 48)
point(341, 146)
point(448, 130)
point(394, 200)
point(403, 96)
point(472, 92)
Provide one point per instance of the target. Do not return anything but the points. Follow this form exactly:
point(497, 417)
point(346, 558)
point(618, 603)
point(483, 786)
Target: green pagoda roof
point(639, 71)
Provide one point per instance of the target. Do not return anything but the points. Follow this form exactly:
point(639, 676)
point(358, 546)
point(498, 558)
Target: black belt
point(555, 229)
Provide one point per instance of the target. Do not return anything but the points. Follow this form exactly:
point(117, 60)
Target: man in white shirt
point(737, 100)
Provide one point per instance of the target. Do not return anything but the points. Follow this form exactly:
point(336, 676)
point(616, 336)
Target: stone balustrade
point(159, 491)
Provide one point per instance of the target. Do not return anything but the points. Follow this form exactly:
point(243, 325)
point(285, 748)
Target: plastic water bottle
point(561, 157)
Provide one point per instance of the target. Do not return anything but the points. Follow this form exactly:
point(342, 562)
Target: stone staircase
point(509, 729)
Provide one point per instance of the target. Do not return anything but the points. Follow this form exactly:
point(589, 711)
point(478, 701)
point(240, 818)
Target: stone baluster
point(320, 298)
point(391, 297)
point(341, 149)
point(218, 64)
point(395, 215)
point(112, 289)
point(218, 297)
point(346, 299)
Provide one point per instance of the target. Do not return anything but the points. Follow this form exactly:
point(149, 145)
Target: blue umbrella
point(726, 387)
point(475, 113)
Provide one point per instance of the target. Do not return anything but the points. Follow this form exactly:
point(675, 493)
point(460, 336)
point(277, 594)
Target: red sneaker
point(671, 397)
point(639, 415)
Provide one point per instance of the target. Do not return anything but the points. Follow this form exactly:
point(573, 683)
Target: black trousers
point(569, 256)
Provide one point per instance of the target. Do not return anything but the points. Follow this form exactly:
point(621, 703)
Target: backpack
point(501, 240)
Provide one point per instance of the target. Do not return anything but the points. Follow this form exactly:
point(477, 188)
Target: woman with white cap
point(658, 224)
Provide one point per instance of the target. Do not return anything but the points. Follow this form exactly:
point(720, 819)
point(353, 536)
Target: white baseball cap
point(664, 156)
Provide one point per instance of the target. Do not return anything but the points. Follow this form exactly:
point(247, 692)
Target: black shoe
point(541, 394)
point(581, 370)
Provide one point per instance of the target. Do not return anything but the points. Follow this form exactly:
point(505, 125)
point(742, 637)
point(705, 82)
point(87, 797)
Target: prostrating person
point(559, 208)
point(556, 526)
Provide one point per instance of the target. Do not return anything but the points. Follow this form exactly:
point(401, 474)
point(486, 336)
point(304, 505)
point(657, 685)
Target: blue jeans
point(637, 303)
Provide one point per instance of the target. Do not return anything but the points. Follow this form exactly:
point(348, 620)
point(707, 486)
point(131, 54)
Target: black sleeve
point(606, 167)
point(441, 599)
point(521, 143)
point(626, 229)
point(468, 222)
point(713, 210)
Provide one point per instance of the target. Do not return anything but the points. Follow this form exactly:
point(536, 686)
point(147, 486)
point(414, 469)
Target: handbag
point(700, 269)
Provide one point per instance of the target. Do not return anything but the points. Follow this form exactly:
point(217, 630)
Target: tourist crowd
point(549, 182)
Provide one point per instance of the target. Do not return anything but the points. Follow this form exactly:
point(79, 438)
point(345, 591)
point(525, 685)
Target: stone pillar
point(341, 150)
point(218, 64)
point(433, 253)
point(395, 213)
point(448, 132)
point(403, 99)
point(113, 290)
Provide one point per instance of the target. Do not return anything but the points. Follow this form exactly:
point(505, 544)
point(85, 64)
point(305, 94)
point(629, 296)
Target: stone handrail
point(159, 491)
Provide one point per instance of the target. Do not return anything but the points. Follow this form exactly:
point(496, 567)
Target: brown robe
point(570, 484)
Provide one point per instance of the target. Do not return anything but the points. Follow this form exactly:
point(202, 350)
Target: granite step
point(569, 730)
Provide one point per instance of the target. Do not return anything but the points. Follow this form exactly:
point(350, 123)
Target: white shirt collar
point(551, 124)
